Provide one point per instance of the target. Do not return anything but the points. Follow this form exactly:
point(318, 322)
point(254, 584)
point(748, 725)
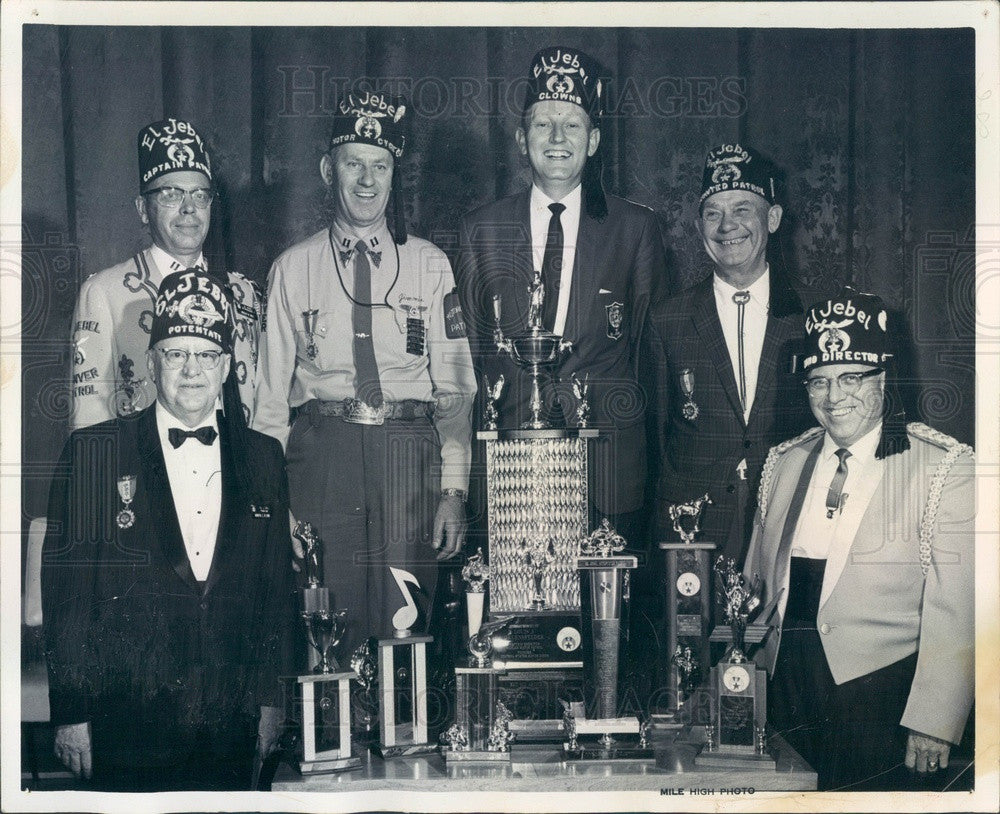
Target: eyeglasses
point(175, 358)
point(848, 382)
point(172, 197)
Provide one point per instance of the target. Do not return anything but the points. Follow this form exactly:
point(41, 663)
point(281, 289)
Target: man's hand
point(925, 753)
point(72, 747)
point(449, 527)
point(298, 553)
point(269, 729)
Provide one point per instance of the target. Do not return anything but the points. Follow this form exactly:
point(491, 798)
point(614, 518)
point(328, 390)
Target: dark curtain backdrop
point(874, 131)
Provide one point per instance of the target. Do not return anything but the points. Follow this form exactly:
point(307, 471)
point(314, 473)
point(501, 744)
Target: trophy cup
point(739, 687)
point(403, 657)
point(481, 732)
point(326, 691)
point(689, 612)
point(475, 574)
point(604, 573)
point(534, 348)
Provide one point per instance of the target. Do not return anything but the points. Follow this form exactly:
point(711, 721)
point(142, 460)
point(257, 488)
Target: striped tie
point(835, 496)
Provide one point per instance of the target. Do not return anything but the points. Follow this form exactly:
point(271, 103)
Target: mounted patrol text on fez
point(370, 118)
point(732, 166)
point(190, 303)
point(171, 145)
point(563, 74)
point(850, 328)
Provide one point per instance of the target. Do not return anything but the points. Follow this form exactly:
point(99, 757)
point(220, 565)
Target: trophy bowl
point(326, 629)
point(535, 347)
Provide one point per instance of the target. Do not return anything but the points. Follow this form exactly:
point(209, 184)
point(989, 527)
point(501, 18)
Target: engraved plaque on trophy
point(689, 611)
point(739, 686)
point(324, 695)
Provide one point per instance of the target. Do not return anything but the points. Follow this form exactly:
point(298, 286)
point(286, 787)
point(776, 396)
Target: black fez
point(562, 74)
point(733, 166)
point(191, 303)
point(170, 145)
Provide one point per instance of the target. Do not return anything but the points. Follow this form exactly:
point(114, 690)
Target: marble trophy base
point(404, 749)
point(733, 757)
point(327, 766)
point(476, 756)
point(608, 747)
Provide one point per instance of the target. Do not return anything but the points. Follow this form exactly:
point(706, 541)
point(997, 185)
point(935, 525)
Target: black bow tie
point(178, 436)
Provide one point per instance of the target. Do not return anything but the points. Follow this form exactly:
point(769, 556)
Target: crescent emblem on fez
point(400, 111)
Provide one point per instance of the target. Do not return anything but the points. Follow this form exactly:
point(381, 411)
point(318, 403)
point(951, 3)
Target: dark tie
point(366, 384)
point(741, 298)
point(177, 436)
point(552, 267)
point(835, 497)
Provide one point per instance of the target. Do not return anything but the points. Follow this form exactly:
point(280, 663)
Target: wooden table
point(540, 767)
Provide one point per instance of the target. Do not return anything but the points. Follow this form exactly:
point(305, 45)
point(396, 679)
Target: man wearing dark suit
point(166, 580)
point(723, 396)
point(601, 262)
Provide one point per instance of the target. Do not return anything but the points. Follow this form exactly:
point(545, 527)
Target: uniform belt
point(354, 411)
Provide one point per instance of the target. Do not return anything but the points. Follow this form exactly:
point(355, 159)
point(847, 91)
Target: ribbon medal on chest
point(126, 490)
point(689, 409)
point(410, 317)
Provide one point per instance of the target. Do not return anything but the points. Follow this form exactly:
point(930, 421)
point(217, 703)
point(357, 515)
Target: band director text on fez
point(864, 533)
point(114, 310)
point(601, 260)
point(724, 395)
point(166, 581)
point(366, 379)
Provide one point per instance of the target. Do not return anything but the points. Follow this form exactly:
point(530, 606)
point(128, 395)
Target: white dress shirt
point(166, 263)
point(194, 470)
point(570, 220)
point(816, 535)
point(754, 327)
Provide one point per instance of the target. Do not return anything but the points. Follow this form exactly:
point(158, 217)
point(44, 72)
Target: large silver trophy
point(534, 348)
point(325, 693)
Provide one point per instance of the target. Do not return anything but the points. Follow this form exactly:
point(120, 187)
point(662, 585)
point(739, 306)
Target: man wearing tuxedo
point(864, 539)
point(166, 579)
point(601, 262)
point(723, 397)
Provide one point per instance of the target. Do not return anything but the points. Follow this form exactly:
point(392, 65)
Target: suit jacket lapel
point(581, 290)
point(782, 557)
point(233, 507)
point(706, 323)
point(782, 302)
point(163, 523)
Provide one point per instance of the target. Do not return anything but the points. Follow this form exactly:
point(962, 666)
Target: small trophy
point(538, 555)
point(739, 687)
point(326, 691)
point(582, 405)
point(481, 732)
point(403, 657)
point(604, 575)
point(475, 574)
point(490, 415)
point(689, 612)
point(532, 348)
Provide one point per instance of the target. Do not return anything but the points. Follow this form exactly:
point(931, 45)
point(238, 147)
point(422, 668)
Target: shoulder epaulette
point(955, 449)
point(772, 461)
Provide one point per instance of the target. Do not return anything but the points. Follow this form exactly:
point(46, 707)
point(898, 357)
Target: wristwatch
point(461, 494)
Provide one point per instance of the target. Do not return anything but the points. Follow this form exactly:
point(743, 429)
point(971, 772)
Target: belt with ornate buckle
point(355, 411)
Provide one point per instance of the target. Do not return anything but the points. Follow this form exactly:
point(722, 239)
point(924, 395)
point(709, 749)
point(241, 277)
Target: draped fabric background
point(874, 131)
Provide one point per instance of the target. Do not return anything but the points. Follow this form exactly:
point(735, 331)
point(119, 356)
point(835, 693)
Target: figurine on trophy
point(475, 574)
point(490, 414)
point(739, 603)
point(692, 509)
point(364, 662)
point(481, 644)
point(538, 555)
point(688, 673)
point(325, 628)
point(580, 390)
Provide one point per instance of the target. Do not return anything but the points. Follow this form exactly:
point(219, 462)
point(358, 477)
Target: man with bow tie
point(365, 377)
point(166, 580)
point(114, 310)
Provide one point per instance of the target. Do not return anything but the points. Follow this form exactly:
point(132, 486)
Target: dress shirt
point(194, 470)
point(820, 537)
point(306, 277)
point(570, 221)
point(754, 327)
point(166, 263)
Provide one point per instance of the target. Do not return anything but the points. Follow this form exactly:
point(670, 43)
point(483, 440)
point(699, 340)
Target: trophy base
point(666, 721)
point(475, 756)
point(730, 757)
point(535, 424)
point(329, 766)
point(404, 750)
point(618, 750)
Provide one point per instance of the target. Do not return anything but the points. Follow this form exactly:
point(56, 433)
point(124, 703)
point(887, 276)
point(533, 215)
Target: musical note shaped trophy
point(535, 348)
point(739, 687)
point(326, 691)
point(403, 707)
point(604, 577)
point(689, 614)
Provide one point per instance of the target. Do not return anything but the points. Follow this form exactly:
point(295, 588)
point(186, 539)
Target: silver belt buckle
point(359, 412)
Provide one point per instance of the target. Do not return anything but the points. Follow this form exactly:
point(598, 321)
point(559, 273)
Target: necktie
point(177, 436)
point(552, 266)
point(835, 496)
point(366, 383)
point(741, 298)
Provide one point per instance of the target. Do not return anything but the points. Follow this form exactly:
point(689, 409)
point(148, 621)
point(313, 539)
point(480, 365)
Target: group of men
point(167, 581)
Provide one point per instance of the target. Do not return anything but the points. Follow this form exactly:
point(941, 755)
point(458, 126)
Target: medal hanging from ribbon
point(126, 490)
point(689, 409)
point(309, 317)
